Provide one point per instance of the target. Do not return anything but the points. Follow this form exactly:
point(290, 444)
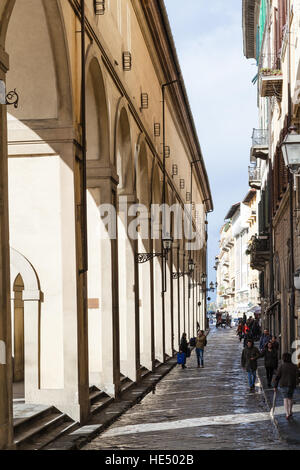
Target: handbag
point(188, 352)
point(180, 358)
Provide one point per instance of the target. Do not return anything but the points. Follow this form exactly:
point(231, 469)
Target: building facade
point(89, 146)
point(238, 289)
point(271, 36)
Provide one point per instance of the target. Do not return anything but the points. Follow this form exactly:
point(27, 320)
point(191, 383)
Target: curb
point(284, 435)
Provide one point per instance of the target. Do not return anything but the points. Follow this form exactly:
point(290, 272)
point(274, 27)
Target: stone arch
point(142, 181)
point(123, 149)
point(31, 297)
point(34, 36)
point(96, 110)
point(21, 265)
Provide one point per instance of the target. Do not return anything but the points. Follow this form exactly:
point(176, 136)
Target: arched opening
point(144, 246)
point(157, 270)
point(126, 250)
point(18, 331)
point(98, 244)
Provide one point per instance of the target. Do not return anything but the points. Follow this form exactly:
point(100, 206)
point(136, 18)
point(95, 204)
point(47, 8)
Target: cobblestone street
point(208, 408)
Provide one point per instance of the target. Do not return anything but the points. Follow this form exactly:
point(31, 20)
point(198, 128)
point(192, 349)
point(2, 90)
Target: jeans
point(251, 378)
point(200, 356)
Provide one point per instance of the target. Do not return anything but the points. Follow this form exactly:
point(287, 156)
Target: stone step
point(96, 395)
point(101, 404)
point(31, 432)
point(23, 423)
point(43, 440)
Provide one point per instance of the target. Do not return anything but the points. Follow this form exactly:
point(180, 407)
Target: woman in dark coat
point(184, 348)
point(287, 379)
point(271, 361)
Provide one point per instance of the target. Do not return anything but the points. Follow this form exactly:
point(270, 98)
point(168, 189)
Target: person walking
point(201, 342)
point(271, 361)
point(239, 330)
point(264, 339)
point(275, 343)
point(184, 348)
point(287, 379)
point(249, 358)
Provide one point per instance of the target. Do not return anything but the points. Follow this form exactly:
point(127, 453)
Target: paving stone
point(198, 409)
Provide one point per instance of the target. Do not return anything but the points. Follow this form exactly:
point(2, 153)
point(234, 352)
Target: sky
point(209, 42)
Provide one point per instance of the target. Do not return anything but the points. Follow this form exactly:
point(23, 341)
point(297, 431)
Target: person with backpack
point(287, 379)
point(184, 349)
point(201, 342)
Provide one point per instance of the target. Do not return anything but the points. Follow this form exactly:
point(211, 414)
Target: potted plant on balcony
point(270, 72)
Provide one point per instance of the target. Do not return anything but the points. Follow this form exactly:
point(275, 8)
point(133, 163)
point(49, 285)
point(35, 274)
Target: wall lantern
point(291, 150)
point(167, 242)
point(203, 278)
point(191, 266)
point(297, 279)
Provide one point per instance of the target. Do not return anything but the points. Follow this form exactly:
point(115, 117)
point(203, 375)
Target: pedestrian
point(184, 348)
point(287, 379)
point(249, 358)
point(239, 330)
point(264, 339)
point(244, 318)
point(201, 342)
point(271, 361)
point(275, 343)
point(255, 329)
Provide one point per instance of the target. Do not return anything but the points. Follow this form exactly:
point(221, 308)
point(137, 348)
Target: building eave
point(250, 21)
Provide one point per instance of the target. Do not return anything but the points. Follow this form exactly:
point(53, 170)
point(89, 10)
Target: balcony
point(271, 81)
point(260, 145)
point(259, 251)
point(254, 177)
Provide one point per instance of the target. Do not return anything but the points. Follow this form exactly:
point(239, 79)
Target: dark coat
point(183, 345)
point(287, 375)
point(246, 361)
point(271, 358)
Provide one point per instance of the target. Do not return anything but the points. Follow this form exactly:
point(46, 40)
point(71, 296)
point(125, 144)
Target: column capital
point(97, 174)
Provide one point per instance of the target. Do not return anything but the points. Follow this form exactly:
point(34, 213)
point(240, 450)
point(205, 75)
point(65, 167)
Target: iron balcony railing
point(260, 138)
point(254, 174)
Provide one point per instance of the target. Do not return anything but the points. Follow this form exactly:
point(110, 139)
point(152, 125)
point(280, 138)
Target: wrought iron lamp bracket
point(145, 257)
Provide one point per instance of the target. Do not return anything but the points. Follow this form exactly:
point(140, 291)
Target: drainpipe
point(291, 185)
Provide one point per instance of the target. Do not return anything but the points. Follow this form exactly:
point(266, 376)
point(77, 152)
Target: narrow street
point(198, 409)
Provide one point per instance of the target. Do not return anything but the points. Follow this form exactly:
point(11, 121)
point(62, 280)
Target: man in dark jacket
point(271, 361)
point(249, 358)
point(287, 379)
point(264, 339)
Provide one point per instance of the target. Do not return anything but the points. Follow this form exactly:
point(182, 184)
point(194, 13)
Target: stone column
point(128, 293)
point(6, 413)
point(106, 180)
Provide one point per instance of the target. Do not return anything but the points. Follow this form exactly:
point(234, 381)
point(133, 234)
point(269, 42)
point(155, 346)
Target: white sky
point(209, 42)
